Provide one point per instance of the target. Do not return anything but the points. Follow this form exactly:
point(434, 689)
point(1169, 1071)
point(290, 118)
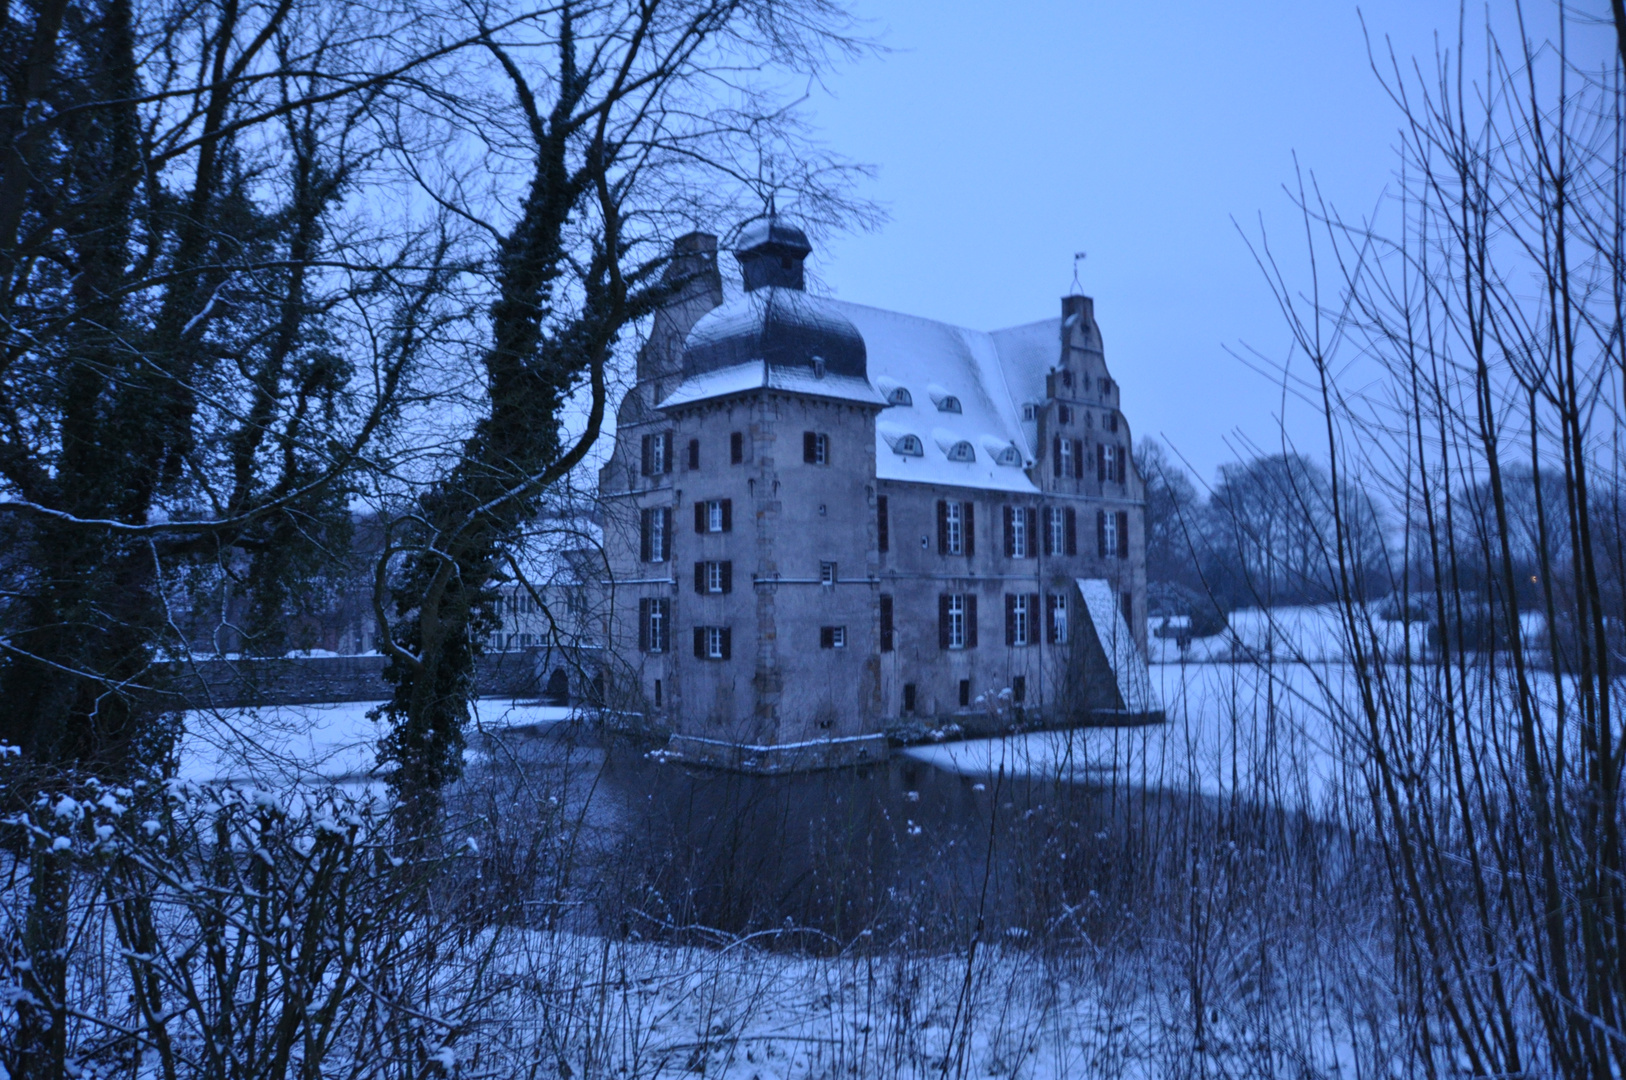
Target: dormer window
point(908, 446)
point(962, 451)
point(818, 367)
point(949, 403)
point(900, 396)
point(1008, 456)
point(1029, 412)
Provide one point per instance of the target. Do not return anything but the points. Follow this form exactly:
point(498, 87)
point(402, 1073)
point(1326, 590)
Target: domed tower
point(775, 323)
point(751, 499)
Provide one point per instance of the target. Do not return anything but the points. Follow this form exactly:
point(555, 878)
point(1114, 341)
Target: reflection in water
point(900, 849)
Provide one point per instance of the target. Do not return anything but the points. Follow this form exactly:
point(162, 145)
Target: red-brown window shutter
point(971, 620)
point(1010, 530)
point(1123, 534)
point(968, 515)
point(942, 621)
point(1010, 619)
point(1071, 517)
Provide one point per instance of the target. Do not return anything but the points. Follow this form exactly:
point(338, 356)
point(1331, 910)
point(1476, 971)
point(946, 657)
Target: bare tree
point(631, 122)
point(1469, 346)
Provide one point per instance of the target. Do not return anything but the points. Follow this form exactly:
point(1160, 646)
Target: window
point(1112, 534)
point(1065, 413)
point(736, 447)
point(654, 534)
point(1021, 531)
point(1112, 421)
point(1019, 689)
point(1062, 455)
point(1057, 628)
point(1106, 385)
point(827, 573)
point(900, 396)
point(712, 643)
point(1126, 604)
point(1109, 463)
point(962, 451)
point(714, 516)
point(957, 620)
point(948, 403)
point(1067, 379)
point(956, 528)
point(832, 637)
point(694, 453)
point(908, 446)
point(886, 622)
point(908, 697)
point(714, 577)
point(657, 693)
point(1029, 412)
point(652, 624)
point(883, 539)
point(1020, 609)
point(965, 693)
point(1061, 531)
point(656, 454)
point(815, 448)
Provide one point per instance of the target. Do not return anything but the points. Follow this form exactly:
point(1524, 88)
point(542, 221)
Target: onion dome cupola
point(775, 321)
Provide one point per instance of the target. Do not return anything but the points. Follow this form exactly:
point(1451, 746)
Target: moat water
point(600, 831)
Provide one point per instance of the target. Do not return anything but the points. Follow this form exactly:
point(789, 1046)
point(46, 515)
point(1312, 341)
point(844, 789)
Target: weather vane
point(1078, 257)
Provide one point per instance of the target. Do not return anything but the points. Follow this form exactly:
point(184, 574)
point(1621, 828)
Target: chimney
point(697, 287)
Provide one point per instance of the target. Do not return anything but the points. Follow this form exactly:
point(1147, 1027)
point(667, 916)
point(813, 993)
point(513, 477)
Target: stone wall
point(226, 684)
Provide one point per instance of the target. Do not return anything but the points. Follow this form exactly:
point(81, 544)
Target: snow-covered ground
point(274, 746)
point(1231, 728)
point(737, 1012)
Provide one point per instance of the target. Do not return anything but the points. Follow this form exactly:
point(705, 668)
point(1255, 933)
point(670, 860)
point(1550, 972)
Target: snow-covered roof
point(757, 375)
point(1128, 665)
point(935, 361)
point(966, 388)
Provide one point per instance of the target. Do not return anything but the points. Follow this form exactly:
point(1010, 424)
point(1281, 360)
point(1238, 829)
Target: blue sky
point(1008, 136)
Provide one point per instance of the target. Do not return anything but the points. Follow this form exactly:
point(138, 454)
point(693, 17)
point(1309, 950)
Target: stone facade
point(824, 520)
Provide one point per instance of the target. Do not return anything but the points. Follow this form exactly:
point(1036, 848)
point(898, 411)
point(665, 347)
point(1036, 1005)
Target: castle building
point(825, 520)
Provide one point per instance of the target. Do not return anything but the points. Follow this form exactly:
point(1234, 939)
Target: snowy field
point(1231, 729)
point(739, 1013)
point(275, 746)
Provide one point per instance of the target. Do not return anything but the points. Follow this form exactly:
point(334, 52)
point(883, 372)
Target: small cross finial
point(1078, 257)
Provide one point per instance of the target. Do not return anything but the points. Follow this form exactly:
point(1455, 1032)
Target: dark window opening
point(965, 693)
point(886, 622)
point(908, 697)
point(1019, 689)
point(883, 540)
point(736, 447)
point(657, 693)
point(694, 453)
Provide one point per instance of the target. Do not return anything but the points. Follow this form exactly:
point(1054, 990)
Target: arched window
point(908, 445)
point(948, 403)
point(900, 396)
point(962, 451)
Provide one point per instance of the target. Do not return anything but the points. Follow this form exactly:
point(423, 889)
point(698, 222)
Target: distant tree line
point(1267, 535)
